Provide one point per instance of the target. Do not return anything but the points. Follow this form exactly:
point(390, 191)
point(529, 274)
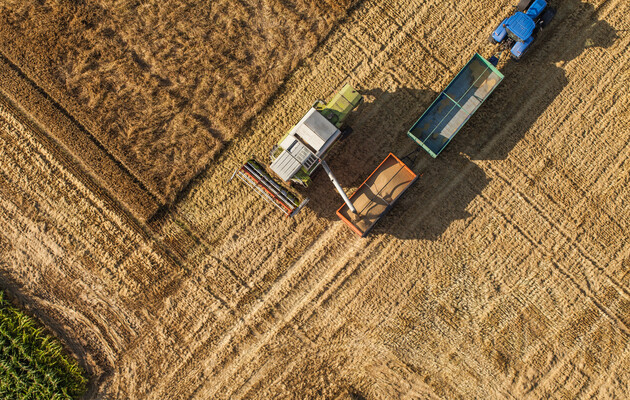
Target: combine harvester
point(454, 106)
point(298, 154)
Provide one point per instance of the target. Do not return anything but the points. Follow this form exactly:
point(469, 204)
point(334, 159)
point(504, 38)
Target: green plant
point(32, 364)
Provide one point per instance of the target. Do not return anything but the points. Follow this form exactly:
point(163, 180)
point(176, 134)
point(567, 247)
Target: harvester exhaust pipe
point(337, 186)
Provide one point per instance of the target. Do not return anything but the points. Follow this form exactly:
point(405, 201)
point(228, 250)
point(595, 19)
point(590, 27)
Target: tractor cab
point(519, 27)
point(519, 31)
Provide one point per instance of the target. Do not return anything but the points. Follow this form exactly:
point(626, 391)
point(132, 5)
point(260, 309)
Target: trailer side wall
point(377, 194)
point(454, 106)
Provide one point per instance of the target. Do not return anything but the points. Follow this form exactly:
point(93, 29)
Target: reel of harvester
point(257, 178)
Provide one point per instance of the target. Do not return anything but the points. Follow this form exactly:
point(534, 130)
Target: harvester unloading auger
point(298, 154)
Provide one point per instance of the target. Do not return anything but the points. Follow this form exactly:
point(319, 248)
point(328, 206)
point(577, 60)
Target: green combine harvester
point(301, 151)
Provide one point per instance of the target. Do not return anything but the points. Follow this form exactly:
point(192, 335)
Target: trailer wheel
point(523, 5)
point(345, 132)
point(547, 16)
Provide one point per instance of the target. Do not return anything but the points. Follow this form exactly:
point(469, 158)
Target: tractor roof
point(521, 25)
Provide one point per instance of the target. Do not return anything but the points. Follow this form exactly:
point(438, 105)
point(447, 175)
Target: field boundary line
point(23, 94)
point(118, 216)
point(110, 341)
point(76, 169)
point(94, 200)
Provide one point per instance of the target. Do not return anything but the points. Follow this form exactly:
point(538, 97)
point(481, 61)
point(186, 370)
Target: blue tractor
point(519, 31)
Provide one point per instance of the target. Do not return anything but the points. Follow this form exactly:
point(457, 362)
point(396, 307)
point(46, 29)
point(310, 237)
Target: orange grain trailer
point(377, 195)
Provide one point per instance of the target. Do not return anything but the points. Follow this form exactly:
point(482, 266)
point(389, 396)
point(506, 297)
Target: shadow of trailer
point(377, 195)
point(454, 106)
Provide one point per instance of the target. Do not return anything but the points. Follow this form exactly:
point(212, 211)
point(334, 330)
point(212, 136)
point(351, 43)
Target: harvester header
point(257, 178)
point(301, 151)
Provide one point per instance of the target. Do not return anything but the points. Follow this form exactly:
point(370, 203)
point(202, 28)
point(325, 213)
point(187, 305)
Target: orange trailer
point(376, 196)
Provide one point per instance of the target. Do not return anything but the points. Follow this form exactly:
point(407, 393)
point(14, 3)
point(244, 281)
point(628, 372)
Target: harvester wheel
point(491, 40)
point(523, 5)
point(345, 132)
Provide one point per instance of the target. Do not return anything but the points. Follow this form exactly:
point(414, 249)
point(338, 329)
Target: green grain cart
point(454, 106)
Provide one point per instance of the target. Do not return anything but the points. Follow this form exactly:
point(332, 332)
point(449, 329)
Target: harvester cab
point(296, 157)
point(298, 154)
point(519, 31)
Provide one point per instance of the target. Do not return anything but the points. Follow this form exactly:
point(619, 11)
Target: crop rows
point(33, 365)
point(160, 86)
point(503, 272)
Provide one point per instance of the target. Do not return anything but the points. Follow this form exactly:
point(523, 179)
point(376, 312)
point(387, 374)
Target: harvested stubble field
point(159, 86)
point(503, 273)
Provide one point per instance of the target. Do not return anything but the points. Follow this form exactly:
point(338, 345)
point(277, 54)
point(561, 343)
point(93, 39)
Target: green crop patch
point(33, 364)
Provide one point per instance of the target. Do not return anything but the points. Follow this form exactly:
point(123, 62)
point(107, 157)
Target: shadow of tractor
point(450, 182)
point(533, 83)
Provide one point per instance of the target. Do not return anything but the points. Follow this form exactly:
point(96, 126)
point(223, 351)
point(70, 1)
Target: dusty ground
point(160, 85)
point(503, 273)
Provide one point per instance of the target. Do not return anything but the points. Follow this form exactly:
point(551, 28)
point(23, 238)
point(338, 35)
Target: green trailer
point(454, 106)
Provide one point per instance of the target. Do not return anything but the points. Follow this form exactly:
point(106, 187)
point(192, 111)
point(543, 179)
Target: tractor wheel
point(517, 59)
point(547, 16)
point(523, 5)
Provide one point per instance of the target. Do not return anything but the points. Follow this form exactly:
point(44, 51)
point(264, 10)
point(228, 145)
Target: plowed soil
point(161, 86)
point(502, 273)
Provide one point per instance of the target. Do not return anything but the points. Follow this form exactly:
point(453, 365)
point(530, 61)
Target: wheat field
point(502, 273)
point(158, 87)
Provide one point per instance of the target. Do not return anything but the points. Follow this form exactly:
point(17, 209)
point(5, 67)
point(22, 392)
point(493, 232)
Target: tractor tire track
point(586, 292)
